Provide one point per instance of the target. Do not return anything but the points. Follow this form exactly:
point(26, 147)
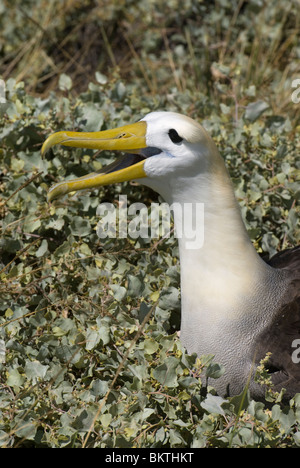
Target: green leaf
point(135, 286)
point(105, 419)
point(42, 249)
point(150, 346)
point(240, 402)
point(225, 109)
point(215, 371)
point(80, 226)
point(119, 292)
point(169, 298)
point(26, 428)
point(99, 387)
point(32, 223)
point(65, 82)
point(166, 373)
point(92, 338)
point(102, 79)
point(255, 109)
point(285, 416)
point(35, 371)
point(213, 404)
point(15, 379)
point(93, 118)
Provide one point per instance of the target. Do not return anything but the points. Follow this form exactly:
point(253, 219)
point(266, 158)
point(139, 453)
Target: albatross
point(234, 304)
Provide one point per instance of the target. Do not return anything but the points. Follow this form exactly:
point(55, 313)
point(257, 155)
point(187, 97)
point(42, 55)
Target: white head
point(163, 147)
point(184, 151)
point(185, 145)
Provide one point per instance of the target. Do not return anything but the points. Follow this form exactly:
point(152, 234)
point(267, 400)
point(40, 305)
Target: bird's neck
point(220, 266)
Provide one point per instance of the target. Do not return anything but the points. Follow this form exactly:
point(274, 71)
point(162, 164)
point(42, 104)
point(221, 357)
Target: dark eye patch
point(174, 136)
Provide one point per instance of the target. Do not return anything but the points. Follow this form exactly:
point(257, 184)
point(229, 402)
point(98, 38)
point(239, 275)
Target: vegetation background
point(89, 350)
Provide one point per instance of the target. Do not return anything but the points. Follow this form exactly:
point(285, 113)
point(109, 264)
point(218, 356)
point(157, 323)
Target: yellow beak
point(127, 138)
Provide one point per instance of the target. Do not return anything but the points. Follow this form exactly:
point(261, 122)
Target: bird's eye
point(174, 136)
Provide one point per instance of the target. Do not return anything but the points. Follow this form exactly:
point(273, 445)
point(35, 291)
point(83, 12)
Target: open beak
point(130, 138)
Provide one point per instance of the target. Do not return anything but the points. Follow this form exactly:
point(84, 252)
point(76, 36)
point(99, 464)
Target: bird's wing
point(282, 339)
